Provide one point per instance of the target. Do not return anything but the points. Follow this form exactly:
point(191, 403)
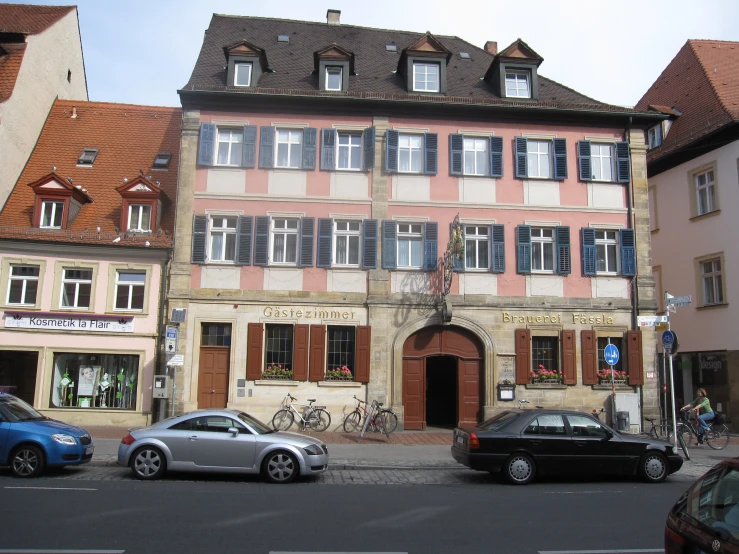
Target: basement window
point(88, 156)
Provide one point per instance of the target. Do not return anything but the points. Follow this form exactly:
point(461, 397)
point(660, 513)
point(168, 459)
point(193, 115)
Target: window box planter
point(617, 382)
point(547, 386)
point(331, 378)
point(287, 377)
point(549, 381)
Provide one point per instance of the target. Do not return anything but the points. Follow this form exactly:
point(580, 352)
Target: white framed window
point(410, 153)
point(346, 243)
point(476, 158)
point(602, 160)
point(129, 290)
point(539, 158)
point(606, 251)
point(139, 217)
point(410, 245)
point(23, 284)
point(284, 237)
point(333, 78)
point(230, 145)
point(705, 190)
point(350, 151)
point(476, 246)
point(517, 84)
point(76, 288)
point(222, 239)
point(242, 75)
point(51, 214)
point(289, 151)
point(542, 249)
point(713, 282)
point(655, 136)
point(426, 77)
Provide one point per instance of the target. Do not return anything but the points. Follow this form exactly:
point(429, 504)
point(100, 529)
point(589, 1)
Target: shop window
point(215, 334)
point(95, 381)
point(604, 370)
point(340, 355)
point(130, 287)
point(545, 360)
point(76, 288)
point(23, 284)
point(278, 349)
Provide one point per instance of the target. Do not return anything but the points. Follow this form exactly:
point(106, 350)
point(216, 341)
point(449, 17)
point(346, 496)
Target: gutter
point(161, 363)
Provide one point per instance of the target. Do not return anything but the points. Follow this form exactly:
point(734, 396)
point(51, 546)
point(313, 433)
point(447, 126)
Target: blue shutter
point(199, 235)
point(587, 237)
point(368, 144)
point(496, 156)
point(389, 244)
point(261, 240)
point(623, 162)
point(456, 154)
point(457, 264)
point(310, 139)
point(560, 158)
point(431, 153)
point(249, 152)
point(306, 241)
point(523, 243)
point(564, 264)
point(206, 146)
point(325, 234)
point(497, 235)
point(369, 244)
point(391, 150)
point(328, 149)
point(583, 159)
point(431, 246)
point(267, 147)
point(628, 253)
point(243, 255)
point(522, 163)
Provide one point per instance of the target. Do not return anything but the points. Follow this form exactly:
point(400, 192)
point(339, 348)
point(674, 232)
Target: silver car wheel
point(281, 468)
point(25, 462)
point(654, 467)
point(520, 468)
point(147, 463)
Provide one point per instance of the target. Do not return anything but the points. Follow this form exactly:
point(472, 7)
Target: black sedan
point(526, 443)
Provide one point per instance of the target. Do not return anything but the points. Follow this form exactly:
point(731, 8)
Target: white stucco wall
point(679, 241)
point(41, 79)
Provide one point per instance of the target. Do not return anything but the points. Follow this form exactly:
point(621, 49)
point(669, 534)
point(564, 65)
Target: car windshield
point(21, 410)
point(498, 421)
point(259, 427)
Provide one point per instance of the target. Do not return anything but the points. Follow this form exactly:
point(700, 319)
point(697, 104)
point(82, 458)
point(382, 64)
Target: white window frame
point(709, 187)
point(349, 233)
point(426, 66)
point(224, 231)
point(237, 67)
point(141, 208)
point(274, 230)
point(472, 146)
point(24, 286)
point(410, 235)
point(131, 285)
point(602, 244)
point(53, 204)
point(536, 159)
point(716, 279)
point(334, 69)
point(544, 241)
point(518, 76)
point(477, 238)
point(349, 147)
point(292, 147)
point(232, 133)
point(410, 149)
point(77, 283)
point(654, 135)
point(611, 147)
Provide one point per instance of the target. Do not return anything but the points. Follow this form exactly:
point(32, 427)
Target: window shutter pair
point(456, 155)
point(635, 363)
point(325, 243)
point(207, 145)
point(267, 148)
point(562, 250)
point(430, 152)
point(390, 245)
point(254, 342)
point(318, 353)
point(329, 141)
point(305, 241)
point(628, 252)
point(623, 161)
point(559, 152)
point(243, 239)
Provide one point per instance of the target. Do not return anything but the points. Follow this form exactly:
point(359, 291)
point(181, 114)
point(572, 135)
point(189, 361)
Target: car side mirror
point(234, 431)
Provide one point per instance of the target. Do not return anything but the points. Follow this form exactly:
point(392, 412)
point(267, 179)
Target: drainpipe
point(162, 299)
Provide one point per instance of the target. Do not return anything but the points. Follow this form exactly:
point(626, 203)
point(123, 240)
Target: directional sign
point(668, 339)
point(680, 300)
point(176, 360)
point(611, 354)
point(651, 320)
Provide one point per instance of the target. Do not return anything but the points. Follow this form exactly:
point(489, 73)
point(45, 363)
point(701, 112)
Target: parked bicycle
point(717, 436)
point(382, 420)
point(658, 432)
point(315, 417)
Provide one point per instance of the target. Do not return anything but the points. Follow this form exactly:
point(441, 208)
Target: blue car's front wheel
point(27, 461)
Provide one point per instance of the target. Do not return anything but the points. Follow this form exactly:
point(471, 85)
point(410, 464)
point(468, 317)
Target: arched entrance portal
point(430, 357)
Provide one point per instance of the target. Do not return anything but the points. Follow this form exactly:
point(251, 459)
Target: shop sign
point(281, 312)
point(577, 318)
point(69, 322)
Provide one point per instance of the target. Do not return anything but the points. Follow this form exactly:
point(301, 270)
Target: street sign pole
point(667, 351)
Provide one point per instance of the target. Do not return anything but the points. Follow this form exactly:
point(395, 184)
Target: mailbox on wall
point(161, 386)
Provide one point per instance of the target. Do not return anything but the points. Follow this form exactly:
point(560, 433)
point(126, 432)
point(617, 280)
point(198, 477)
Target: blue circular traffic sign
point(611, 354)
point(668, 339)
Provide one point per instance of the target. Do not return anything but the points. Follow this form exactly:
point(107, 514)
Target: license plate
point(460, 440)
point(89, 450)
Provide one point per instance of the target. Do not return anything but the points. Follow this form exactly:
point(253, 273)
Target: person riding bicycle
point(702, 407)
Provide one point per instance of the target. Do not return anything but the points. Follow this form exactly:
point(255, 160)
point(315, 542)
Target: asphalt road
point(228, 514)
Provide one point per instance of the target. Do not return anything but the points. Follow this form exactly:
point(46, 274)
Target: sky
point(142, 52)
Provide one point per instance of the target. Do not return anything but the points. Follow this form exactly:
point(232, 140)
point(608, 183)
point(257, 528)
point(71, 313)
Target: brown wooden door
point(414, 393)
point(213, 379)
point(468, 385)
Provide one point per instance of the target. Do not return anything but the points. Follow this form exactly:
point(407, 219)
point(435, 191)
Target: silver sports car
point(221, 440)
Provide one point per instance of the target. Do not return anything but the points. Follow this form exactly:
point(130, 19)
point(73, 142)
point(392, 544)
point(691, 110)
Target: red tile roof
point(30, 20)
point(11, 57)
point(128, 138)
point(702, 82)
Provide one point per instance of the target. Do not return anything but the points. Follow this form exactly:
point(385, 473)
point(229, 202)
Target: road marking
point(242, 520)
point(57, 551)
point(584, 492)
point(618, 551)
point(50, 489)
point(322, 552)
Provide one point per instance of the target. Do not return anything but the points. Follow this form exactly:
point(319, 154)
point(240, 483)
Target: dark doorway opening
point(441, 392)
point(18, 373)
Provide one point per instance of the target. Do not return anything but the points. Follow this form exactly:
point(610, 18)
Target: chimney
point(491, 47)
point(74, 113)
point(333, 17)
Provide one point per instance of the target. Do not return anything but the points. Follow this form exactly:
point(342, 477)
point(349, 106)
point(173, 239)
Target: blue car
point(31, 442)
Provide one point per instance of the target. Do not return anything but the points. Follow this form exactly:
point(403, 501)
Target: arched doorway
point(431, 358)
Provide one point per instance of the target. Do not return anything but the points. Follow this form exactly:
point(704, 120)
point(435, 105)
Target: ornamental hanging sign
point(453, 258)
point(69, 322)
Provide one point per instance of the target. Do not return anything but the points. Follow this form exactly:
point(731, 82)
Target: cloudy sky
point(142, 51)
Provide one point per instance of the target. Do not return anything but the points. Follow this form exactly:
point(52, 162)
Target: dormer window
point(333, 78)
point(246, 64)
point(57, 202)
point(333, 65)
point(518, 84)
point(51, 215)
point(423, 64)
point(425, 77)
point(655, 136)
point(141, 206)
point(88, 156)
point(162, 161)
point(243, 74)
point(513, 72)
point(139, 217)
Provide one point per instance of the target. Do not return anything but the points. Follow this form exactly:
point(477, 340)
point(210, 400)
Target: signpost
point(611, 356)
point(669, 344)
point(651, 320)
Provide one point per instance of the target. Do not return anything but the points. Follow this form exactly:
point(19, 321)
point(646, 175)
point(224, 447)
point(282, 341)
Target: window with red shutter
point(523, 356)
point(254, 351)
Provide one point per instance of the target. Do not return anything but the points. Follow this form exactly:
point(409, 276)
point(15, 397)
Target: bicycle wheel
point(390, 419)
point(352, 421)
point(319, 420)
point(283, 420)
point(718, 437)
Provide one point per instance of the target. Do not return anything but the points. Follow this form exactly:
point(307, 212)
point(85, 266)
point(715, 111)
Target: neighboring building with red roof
point(40, 60)
point(694, 227)
point(85, 239)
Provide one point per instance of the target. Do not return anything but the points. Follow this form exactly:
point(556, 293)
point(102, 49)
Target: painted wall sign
point(69, 322)
point(280, 312)
point(506, 368)
point(581, 318)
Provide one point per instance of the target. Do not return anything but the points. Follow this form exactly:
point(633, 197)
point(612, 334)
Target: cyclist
point(702, 407)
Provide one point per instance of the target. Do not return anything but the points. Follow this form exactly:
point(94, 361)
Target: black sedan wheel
point(27, 461)
point(148, 463)
point(653, 467)
point(520, 469)
point(280, 467)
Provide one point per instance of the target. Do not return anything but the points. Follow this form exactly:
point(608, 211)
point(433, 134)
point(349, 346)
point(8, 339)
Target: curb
point(331, 467)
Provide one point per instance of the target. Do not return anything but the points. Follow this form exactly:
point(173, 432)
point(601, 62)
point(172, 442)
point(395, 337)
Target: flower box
point(342, 373)
point(276, 372)
point(333, 378)
point(550, 381)
point(615, 381)
point(277, 377)
point(543, 375)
